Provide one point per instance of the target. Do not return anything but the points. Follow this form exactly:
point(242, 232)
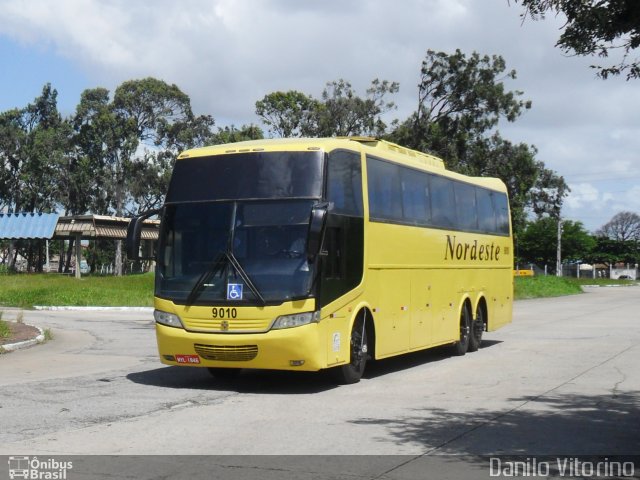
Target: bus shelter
point(51, 226)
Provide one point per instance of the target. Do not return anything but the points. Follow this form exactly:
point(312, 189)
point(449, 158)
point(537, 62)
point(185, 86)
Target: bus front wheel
point(358, 354)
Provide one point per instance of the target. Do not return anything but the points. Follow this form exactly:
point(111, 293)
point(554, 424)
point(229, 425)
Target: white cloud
point(226, 54)
point(582, 194)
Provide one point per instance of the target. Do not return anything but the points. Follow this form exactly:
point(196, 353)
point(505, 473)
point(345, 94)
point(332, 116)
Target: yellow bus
point(312, 254)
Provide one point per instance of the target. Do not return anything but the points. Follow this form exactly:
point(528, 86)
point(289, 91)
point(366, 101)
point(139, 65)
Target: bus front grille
point(227, 353)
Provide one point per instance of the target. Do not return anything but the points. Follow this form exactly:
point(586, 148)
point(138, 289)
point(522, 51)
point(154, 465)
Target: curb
point(12, 347)
point(93, 309)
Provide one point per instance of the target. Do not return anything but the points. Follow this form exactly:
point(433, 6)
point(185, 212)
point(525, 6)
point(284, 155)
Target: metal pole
point(78, 254)
point(559, 251)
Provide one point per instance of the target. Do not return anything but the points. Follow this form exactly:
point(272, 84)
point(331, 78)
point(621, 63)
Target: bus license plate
point(187, 359)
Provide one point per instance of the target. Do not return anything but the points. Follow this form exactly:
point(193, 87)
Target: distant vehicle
point(84, 267)
point(624, 277)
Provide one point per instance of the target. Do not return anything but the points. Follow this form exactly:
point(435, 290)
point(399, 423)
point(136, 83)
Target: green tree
point(460, 98)
point(231, 134)
point(287, 114)
point(538, 242)
point(461, 101)
point(339, 112)
point(133, 140)
point(343, 113)
point(34, 142)
point(623, 226)
point(595, 27)
point(609, 251)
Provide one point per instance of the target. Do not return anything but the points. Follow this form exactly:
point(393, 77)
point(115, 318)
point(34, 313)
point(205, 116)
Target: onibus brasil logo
point(33, 468)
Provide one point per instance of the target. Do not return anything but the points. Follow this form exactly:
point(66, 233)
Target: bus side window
point(344, 184)
point(385, 191)
point(466, 208)
point(486, 213)
point(501, 205)
point(415, 197)
point(443, 202)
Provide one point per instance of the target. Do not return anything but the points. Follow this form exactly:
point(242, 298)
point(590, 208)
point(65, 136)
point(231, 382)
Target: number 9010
point(220, 312)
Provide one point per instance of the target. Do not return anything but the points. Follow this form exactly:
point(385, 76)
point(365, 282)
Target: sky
point(227, 54)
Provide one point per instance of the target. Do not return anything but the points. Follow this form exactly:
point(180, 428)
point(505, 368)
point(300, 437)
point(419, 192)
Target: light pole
point(559, 250)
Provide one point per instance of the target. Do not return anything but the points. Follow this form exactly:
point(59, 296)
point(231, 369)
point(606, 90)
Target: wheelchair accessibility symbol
point(234, 291)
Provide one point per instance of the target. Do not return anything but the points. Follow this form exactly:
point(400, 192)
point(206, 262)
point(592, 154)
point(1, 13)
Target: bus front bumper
point(296, 348)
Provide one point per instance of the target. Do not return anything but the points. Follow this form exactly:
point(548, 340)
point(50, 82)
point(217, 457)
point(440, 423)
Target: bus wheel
point(352, 372)
point(462, 345)
point(224, 374)
point(477, 327)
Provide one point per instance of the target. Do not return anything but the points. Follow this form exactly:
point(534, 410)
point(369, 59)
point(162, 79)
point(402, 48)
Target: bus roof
point(369, 145)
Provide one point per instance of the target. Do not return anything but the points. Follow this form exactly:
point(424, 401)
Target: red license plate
point(187, 359)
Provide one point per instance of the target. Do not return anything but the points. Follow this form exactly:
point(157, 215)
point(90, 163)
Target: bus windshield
point(201, 242)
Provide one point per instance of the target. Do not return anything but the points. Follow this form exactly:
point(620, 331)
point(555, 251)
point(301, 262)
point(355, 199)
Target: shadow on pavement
point(411, 360)
point(555, 424)
point(248, 381)
point(278, 382)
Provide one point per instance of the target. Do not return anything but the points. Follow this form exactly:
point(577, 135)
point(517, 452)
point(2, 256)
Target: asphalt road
point(564, 378)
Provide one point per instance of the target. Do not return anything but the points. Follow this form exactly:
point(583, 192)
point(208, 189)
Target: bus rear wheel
point(358, 355)
point(462, 346)
point(477, 328)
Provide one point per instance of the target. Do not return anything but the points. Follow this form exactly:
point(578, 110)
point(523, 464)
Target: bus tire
point(477, 328)
point(462, 346)
point(224, 374)
point(358, 355)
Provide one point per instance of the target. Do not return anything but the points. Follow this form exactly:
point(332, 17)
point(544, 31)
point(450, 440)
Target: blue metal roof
point(27, 225)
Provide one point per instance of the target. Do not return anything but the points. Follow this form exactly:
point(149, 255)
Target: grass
point(552, 286)
point(27, 290)
point(47, 335)
point(4, 328)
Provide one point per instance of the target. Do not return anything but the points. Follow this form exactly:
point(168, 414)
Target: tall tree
point(34, 142)
point(623, 227)
point(339, 112)
point(231, 134)
point(461, 101)
point(96, 136)
point(12, 140)
point(343, 113)
point(134, 140)
point(460, 98)
point(610, 252)
point(538, 242)
point(596, 27)
point(287, 114)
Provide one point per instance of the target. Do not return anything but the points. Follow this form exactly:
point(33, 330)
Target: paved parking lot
point(564, 378)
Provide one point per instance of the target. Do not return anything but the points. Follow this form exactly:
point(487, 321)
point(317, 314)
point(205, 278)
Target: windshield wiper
point(218, 264)
point(222, 260)
point(245, 277)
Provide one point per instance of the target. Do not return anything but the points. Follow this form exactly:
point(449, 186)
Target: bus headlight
point(168, 319)
point(295, 320)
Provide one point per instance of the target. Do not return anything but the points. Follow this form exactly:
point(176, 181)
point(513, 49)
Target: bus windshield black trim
point(242, 176)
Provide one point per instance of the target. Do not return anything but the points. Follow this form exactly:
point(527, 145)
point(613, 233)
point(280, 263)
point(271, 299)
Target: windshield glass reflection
point(267, 238)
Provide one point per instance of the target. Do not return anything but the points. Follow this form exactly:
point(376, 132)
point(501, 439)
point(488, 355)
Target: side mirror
point(134, 233)
point(317, 222)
